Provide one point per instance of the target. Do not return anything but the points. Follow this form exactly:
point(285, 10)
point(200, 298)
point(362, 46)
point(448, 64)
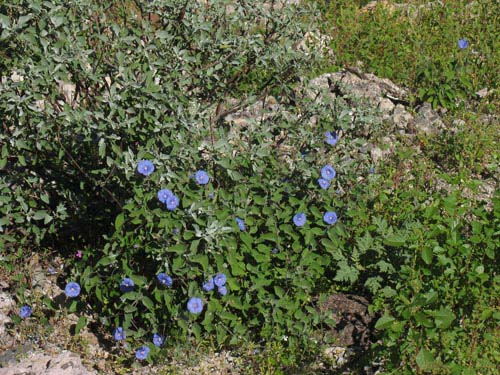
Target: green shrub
point(159, 92)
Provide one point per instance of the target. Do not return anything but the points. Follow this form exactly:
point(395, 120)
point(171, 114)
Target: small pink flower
point(79, 254)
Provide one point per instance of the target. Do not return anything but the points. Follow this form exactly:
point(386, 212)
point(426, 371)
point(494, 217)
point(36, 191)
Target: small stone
point(16, 77)
point(386, 106)
point(401, 117)
point(427, 120)
point(483, 93)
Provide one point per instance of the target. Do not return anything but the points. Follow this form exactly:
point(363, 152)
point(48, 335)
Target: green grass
point(417, 47)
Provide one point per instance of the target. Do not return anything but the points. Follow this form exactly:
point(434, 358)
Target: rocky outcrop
point(42, 364)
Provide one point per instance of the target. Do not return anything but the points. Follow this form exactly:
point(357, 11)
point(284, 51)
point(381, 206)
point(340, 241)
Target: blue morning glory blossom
point(222, 290)
point(328, 173)
point(172, 202)
point(158, 339)
point(119, 334)
point(220, 279)
point(241, 224)
point(201, 177)
point(208, 285)
point(300, 219)
point(127, 285)
point(324, 184)
point(72, 289)
point(331, 138)
point(330, 217)
point(195, 305)
point(145, 167)
point(25, 312)
point(164, 279)
point(163, 195)
point(463, 43)
point(142, 353)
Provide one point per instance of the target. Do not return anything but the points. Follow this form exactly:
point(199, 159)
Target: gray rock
point(401, 117)
point(427, 120)
point(358, 84)
point(386, 106)
point(41, 364)
point(7, 304)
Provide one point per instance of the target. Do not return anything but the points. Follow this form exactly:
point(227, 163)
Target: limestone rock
point(40, 364)
point(427, 120)
point(401, 117)
point(6, 305)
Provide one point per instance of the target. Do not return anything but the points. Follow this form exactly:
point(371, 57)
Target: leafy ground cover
point(211, 235)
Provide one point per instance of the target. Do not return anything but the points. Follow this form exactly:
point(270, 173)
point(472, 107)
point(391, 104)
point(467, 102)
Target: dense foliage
point(136, 164)
point(211, 195)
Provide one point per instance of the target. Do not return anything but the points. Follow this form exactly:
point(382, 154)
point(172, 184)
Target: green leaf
point(200, 259)
point(384, 322)
point(106, 260)
point(427, 255)
point(394, 240)
point(120, 219)
point(24, 19)
point(146, 301)
point(422, 318)
point(40, 215)
point(425, 360)
point(82, 322)
point(444, 317)
point(57, 20)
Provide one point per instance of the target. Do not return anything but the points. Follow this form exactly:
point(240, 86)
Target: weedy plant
point(416, 44)
point(186, 225)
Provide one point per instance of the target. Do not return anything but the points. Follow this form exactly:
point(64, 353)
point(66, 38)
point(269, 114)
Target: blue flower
point(142, 352)
point(330, 217)
point(331, 138)
point(163, 195)
point(201, 177)
point(158, 339)
point(241, 224)
point(299, 219)
point(324, 184)
point(127, 285)
point(195, 305)
point(275, 250)
point(164, 279)
point(25, 312)
point(119, 334)
point(172, 202)
point(328, 173)
point(222, 290)
point(371, 170)
point(72, 289)
point(145, 167)
point(463, 43)
point(208, 285)
point(175, 230)
point(220, 279)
